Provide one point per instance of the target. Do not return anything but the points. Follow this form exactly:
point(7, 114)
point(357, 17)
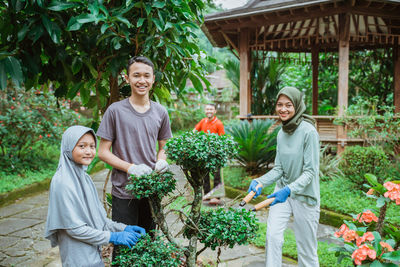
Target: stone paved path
point(22, 227)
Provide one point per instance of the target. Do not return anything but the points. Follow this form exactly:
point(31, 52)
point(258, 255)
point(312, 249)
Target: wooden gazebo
point(309, 26)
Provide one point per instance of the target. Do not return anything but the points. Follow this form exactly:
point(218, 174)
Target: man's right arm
point(108, 157)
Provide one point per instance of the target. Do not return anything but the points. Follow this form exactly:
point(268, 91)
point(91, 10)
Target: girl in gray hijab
point(76, 219)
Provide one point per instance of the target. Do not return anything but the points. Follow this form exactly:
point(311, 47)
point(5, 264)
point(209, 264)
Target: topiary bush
point(151, 252)
point(227, 228)
point(197, 153)
point(357, 161)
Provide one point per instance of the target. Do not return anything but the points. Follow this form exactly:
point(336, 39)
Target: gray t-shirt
point(134, 137)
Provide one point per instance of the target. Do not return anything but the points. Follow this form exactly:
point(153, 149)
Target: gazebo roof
point(296, 26)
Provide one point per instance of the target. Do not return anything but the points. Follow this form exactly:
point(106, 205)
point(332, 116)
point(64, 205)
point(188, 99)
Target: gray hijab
point(298, 102)
point(73, 200)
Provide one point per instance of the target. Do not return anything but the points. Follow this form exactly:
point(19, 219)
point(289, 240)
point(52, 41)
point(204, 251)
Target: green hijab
point(299, 107)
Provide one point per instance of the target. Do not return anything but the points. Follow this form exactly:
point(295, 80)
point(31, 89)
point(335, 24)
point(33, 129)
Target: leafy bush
point(357, 161)
point(29, 121)
point(200, 151)
point(377, 124)
point(257, 143)
point(150, 252)
point(152, 184)
point(231, 227)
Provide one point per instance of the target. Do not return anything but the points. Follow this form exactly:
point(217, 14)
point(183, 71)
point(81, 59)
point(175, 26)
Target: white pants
point(305, 229)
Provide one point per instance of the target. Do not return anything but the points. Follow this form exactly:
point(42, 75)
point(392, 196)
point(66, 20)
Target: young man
point(211, 124)
point(129, 132)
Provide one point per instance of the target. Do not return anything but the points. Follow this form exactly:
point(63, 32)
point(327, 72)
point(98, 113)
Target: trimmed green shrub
point(152, 184)
point(220, 227)
point(357, 161)
point(257, 143)
point(151, 252)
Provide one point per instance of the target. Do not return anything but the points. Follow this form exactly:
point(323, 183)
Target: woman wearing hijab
point(76, 220)
point(296, 173)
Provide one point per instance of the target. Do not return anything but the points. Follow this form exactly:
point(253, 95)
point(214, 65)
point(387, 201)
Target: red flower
point(342, 230)
point(370, 191)
point(394, 191)
point(368, 216)
point(350, 235)
point(12, 107)
point(387, 246)
point(40, 136)
point(48, 135)
point(361, 254)
point(368, 236)
point(13, 98)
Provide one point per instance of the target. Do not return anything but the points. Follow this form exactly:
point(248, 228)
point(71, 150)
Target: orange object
point(214, 126)
point(249, 196)
point(263, 204)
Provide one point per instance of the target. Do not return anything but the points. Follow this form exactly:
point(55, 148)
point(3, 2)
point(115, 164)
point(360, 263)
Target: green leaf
point(22, 32)
point(380, 202)
point(76, 65)
point(196, 82)
point(85, 95)
point(376, 264)
point(124, 20)
point(372, 180)
point(148, 9)
point(159, 4)
point(52, 28)
point(73, 24)
point(13, 67)
point(104, 27)
point(61, 5)
point(158, 24)
point(86, 18)
point(73, 90)
point(140, 22)
point(392, 256)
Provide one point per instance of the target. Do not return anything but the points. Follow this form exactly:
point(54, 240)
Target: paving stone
point(10, 225)
point(13, 209)
point(7, 241)
point(39, 213)
point(42, 199)
point(41, 245)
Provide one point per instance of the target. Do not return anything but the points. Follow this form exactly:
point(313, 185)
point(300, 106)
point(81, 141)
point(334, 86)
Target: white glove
point(161, 166)
point(139, 170)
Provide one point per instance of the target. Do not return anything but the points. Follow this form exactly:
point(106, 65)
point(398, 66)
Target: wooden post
point(343, 83)
point(396, 78)
point(315, 63)
point(245, 90)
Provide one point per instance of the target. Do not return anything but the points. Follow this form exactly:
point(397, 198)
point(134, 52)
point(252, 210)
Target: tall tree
point(83, 46)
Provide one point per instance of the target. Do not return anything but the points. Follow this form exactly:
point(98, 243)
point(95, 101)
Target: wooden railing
point(325, 127)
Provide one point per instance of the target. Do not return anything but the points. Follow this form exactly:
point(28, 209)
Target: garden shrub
point(357, 161)
point(151, 252)
point(29, 121)
point(257, 143)
point(220, 227)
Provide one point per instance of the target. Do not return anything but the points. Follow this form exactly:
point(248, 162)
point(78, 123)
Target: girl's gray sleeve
point(89, 235)
point(114, 226)
point(274, 174)
point(310, 163)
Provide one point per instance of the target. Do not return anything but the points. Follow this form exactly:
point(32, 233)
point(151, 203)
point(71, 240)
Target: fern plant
point(257, 141)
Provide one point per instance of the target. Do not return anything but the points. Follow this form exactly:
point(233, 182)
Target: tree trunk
point(196, 181)
point(114, 91)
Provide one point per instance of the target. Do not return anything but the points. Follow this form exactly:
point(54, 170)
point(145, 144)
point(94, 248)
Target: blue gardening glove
point(135, 230)
point(253, 186)
point(123, 238)
point(280, 195)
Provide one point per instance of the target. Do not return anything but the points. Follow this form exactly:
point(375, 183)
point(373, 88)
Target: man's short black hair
point(140, 59)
